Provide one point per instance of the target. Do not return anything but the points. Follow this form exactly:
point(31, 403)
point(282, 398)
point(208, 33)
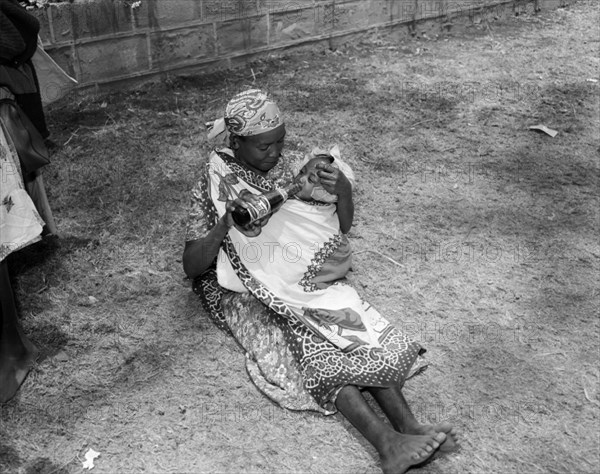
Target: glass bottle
point(265, 205)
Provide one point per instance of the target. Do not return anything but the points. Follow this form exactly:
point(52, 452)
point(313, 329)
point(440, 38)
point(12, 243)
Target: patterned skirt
point(292, 365)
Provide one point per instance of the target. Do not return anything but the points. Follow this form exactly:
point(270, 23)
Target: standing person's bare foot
point(401, 451)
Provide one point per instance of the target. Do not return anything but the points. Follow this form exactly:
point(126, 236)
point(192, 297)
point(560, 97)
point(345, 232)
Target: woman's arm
point(345, 210)
point(199, 254)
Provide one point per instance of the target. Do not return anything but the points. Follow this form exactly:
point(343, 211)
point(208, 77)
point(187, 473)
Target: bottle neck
point(294, 188)
point(284, 193)
point(290, 190)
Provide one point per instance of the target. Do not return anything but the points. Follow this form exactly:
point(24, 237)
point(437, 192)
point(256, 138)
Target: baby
point(339, 262)
point(311, 187)
point(308, 175)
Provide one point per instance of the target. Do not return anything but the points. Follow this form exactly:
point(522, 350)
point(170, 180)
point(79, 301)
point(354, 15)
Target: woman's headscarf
point(249, 113)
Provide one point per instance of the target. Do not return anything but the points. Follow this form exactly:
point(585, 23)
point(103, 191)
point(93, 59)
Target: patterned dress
point(20, 222)
point(292, 364)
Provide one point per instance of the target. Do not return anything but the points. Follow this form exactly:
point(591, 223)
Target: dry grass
point(473, 233)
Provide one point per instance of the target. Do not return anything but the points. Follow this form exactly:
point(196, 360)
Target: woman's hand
point(245, 199)
point(333, 180)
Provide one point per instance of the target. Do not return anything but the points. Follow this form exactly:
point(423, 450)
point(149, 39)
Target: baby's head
point(311, 183)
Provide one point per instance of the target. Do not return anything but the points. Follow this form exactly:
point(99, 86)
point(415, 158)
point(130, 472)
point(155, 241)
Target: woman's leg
point(394, 405)
point(398, 451)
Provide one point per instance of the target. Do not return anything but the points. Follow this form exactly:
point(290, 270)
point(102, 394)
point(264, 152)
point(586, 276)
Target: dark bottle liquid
point(267, 202)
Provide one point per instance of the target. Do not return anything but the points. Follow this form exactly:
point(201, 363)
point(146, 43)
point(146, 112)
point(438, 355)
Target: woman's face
point(261, 152)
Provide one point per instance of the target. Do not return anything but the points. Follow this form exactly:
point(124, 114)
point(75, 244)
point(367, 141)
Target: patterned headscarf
point(249, 113)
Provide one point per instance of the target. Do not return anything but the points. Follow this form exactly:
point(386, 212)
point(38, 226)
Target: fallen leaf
point(543, 128)
point(89, 459)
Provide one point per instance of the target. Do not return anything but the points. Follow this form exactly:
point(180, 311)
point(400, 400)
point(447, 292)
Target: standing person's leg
point(16, 351)
point(398, 451)
point(394, 405)
point(34, 186)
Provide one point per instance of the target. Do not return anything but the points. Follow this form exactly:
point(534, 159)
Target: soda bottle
point(265, 205)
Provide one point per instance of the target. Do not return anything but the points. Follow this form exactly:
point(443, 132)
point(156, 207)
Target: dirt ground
point(473, 233)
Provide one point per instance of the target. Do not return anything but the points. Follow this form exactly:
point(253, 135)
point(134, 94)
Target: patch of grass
point(472, 233)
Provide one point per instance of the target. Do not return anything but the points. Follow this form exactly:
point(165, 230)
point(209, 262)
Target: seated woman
point(307, 342)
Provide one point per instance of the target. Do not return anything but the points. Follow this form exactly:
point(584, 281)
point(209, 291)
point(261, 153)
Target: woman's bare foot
point(401, 451)
point(452, 440)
